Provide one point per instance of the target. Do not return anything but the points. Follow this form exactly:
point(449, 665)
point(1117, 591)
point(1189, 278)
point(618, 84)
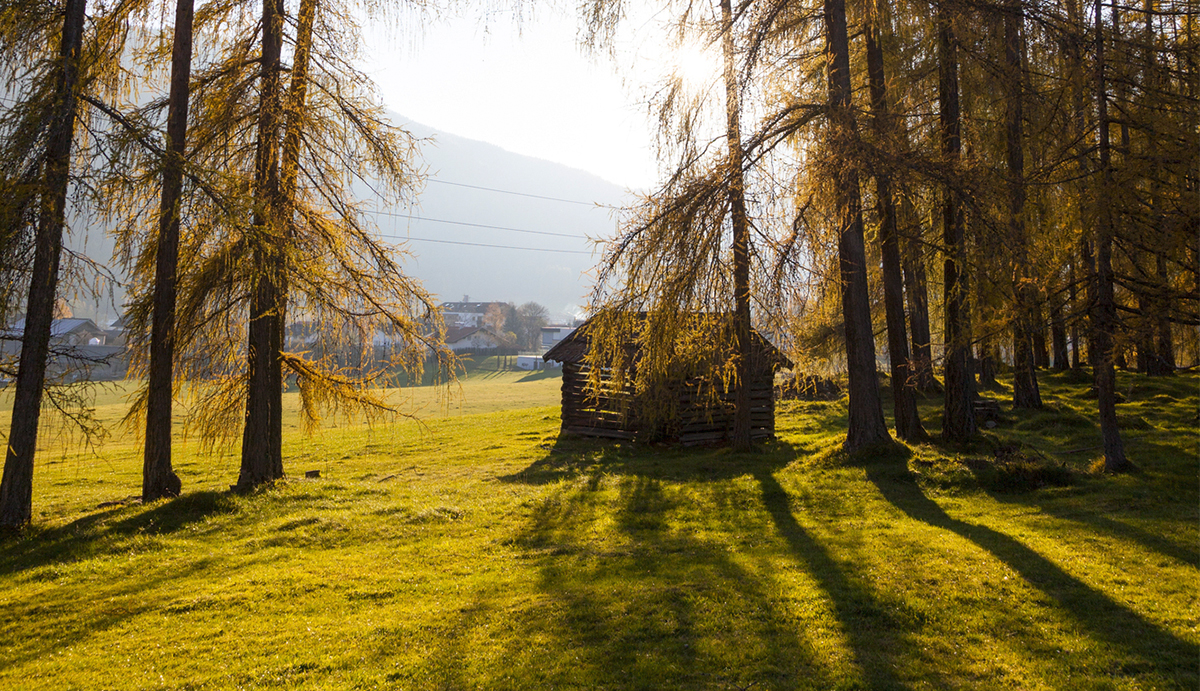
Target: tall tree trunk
point(16, 487)
point(916, 287)
point(1104, 313)
point(1144, 329)
point(1058, 334)
point(1041, 353)
point(987, 364)
point(866, 423)
point(262, 459)
point(1160, 353)
point(1090, 295)
point(158, 478)
point(1025, 384)
point(1073, 310)
point(283, 217)
point(959, 411)
point(1165, 352)
point(1085, 264)
point(908, 421)
point(741, 239)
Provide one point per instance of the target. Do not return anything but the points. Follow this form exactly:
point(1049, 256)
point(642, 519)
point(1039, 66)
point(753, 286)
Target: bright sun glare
point(696, 65)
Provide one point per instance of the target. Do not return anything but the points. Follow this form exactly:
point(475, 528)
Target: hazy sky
point(529, 91)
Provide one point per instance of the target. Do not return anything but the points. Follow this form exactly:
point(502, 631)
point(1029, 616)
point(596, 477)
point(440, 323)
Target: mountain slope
point(556, 280)
point(553, 279)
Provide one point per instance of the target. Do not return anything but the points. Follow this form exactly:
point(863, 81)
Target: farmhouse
point(70, 332)
point(617, 412)
point(79, 349)
point(462, 339)
point(466, 313)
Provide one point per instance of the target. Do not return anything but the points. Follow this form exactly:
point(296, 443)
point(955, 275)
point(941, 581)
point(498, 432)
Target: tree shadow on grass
point(873, 631)
point(87, 535)
point(632, 599)
point(1170, 511)
point(574, 456)
point(539, 375)
point(1157, 650)
point(84, 607)
point(670, 580)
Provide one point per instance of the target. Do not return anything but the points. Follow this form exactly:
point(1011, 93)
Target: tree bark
point(987, 364)
point(907, 418)
point(866, 423)
point(1073, 309)
point(916, 287)
point(262, 459)
point(1025, 384)
point(1164, 360)
point(158, 478)
point(16, 487)
point(1058, 335)
point(1084, 264)
point(1041, 353)
point(1104, 313)
point(959, 410)
point(741, 240)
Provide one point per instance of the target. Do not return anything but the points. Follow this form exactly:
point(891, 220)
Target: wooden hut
point(697, 418)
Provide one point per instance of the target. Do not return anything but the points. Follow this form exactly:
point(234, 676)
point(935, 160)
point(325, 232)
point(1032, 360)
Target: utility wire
point(481, 244)
point(522, 194)
point(479, 225)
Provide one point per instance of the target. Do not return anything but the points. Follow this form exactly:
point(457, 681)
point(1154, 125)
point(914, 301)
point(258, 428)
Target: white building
point(473, 338)
point(551, 335)
point(465, 313)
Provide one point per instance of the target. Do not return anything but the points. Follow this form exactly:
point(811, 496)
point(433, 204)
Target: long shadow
point(92, 536)
point(106, 609)
point(84, 535)
point(1107, 620)
point(1183, 553)
point(572, 456)
point(864, 619)
point(539, 375)
point(627, 599)
point(665, 603)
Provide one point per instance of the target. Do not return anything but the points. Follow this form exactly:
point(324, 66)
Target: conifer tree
point(52, 155)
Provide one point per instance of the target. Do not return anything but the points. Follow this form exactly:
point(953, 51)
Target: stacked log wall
point(698, 420)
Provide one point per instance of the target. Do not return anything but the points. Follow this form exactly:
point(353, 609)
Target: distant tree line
point(520, 325)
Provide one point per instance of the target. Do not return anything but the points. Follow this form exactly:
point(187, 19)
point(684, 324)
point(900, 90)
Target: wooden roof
point(573, 348)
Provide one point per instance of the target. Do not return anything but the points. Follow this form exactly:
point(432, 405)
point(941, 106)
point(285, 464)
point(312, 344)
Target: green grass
point(482, 551)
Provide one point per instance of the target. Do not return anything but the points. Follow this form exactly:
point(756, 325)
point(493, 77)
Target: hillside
point(556, 280)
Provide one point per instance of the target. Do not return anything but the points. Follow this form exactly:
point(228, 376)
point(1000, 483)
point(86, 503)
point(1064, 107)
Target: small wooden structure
point(698, 418)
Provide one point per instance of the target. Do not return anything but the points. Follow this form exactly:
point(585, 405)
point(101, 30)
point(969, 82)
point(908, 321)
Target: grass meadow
point(478, 549)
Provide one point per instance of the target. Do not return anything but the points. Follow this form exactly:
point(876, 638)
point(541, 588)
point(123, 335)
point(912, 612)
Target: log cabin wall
point(613, 414)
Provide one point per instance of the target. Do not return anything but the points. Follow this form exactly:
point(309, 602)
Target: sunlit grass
point(482, 551)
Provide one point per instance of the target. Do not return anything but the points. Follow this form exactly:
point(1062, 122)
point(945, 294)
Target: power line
point(481, 244)
point(479, 225)
point(522, 194)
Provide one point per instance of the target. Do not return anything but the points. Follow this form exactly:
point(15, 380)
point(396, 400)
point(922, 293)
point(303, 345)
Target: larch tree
point(904, 379)
point(866, 426)
point(47, 151)
point(958, 423)
point(1025, 384)
point(275, 238)
point(158, 477)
